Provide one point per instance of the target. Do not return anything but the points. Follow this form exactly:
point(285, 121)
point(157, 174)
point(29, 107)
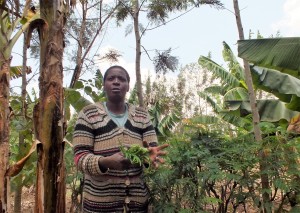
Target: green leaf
point(269, 110)
point(282, 54)
point(88, 90)
point(219, 71)
point(238, 93)
point(78, 85)
point(23, 20)
point(74, 98)
point(234, 66)
point(280, 84)
point(16, 71)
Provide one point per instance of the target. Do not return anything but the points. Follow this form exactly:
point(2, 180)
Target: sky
point(204, 29)
point(201, 31)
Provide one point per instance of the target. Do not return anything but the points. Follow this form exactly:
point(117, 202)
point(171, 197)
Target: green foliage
point(136, 154)
point(200, 168)
point(274, 53)
point(163, 123)
point(84, 93)
point(21, 139)
point(74, 178)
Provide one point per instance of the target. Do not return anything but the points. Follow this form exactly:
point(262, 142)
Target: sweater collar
point(131, 109)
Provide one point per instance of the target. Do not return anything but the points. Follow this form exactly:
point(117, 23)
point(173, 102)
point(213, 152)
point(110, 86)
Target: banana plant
point(163, 123)
point(12, 26)
point(232, 84)
point(233, 89)
point(282, 54)
point(85, 92)
point(277, 66)
point(16, 71)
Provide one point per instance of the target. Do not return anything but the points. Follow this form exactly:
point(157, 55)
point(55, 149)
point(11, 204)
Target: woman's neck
point(116, 108)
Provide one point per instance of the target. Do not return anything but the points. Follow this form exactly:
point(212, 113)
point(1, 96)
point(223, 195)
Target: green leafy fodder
point(136, 154)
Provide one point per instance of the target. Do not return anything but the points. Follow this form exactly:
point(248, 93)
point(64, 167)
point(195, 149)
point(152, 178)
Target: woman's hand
point(155, 153)
point(116, 161)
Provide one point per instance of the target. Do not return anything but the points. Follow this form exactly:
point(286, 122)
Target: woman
point(111, 182)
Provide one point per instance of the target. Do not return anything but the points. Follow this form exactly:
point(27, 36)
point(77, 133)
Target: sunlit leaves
point(277, 53)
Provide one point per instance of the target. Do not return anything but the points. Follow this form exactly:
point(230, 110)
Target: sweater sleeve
point(83, 141)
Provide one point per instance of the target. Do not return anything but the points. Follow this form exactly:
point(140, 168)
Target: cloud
point(289, 24)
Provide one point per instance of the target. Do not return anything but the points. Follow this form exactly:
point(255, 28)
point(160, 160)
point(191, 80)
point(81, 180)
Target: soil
point(28, 200)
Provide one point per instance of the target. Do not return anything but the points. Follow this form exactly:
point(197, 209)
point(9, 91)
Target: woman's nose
point(116, 81)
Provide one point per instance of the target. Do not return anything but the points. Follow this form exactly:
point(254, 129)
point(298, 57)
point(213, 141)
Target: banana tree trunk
point(255, 114)
point(4, 132)
point(49, 117)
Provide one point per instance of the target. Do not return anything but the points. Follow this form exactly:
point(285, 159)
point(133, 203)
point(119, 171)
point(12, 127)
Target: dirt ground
point(28, 200)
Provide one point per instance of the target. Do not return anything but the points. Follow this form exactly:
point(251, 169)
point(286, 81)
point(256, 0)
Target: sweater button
point(127, 200)
point(127, 182)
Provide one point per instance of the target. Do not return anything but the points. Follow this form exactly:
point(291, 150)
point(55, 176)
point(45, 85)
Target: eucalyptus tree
point(157, 14)
point(257, 132)
point(84, 29)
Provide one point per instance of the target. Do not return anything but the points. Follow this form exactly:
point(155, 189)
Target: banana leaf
point(269, 110)
point(219, 71)
point(231, 117)
point(16, 71)
point(282, 54)
point(283, 86)
point(238, 93)
point(233, 64)
point(75, 99)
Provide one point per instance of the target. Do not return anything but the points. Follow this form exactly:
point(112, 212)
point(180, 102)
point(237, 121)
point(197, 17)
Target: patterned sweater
point(97, 136)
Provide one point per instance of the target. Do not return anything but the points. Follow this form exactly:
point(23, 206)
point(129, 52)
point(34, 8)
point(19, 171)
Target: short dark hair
point(116, 66)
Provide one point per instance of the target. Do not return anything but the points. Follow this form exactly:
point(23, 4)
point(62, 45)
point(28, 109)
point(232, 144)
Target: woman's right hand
point(116, 161)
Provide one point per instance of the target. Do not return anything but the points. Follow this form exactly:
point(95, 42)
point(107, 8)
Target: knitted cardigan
point(97, 136)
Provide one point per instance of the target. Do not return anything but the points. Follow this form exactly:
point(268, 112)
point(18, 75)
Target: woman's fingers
point(160, 160)
point(163, 146)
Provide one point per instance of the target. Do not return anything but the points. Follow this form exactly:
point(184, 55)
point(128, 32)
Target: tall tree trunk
point(138, 53)
point(50, 186)
point(253, 103)
point(78, 66)
point(22, 150)
point(4, 132)
point(83, 51)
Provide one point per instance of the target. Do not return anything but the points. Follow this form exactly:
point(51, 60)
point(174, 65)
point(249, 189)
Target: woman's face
point(116, 85)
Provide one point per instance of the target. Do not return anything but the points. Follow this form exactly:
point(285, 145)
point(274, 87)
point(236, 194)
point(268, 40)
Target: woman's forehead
point(116, 72)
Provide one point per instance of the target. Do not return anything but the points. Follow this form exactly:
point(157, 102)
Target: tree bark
point(22, 150)
point(4, 132)
point(49, 116)
point(255, 114)
point(78, 66)
point(138, 53)
point(82, 52)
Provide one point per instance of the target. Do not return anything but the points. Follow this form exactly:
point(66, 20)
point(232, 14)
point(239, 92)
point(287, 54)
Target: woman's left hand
point(155, 153)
